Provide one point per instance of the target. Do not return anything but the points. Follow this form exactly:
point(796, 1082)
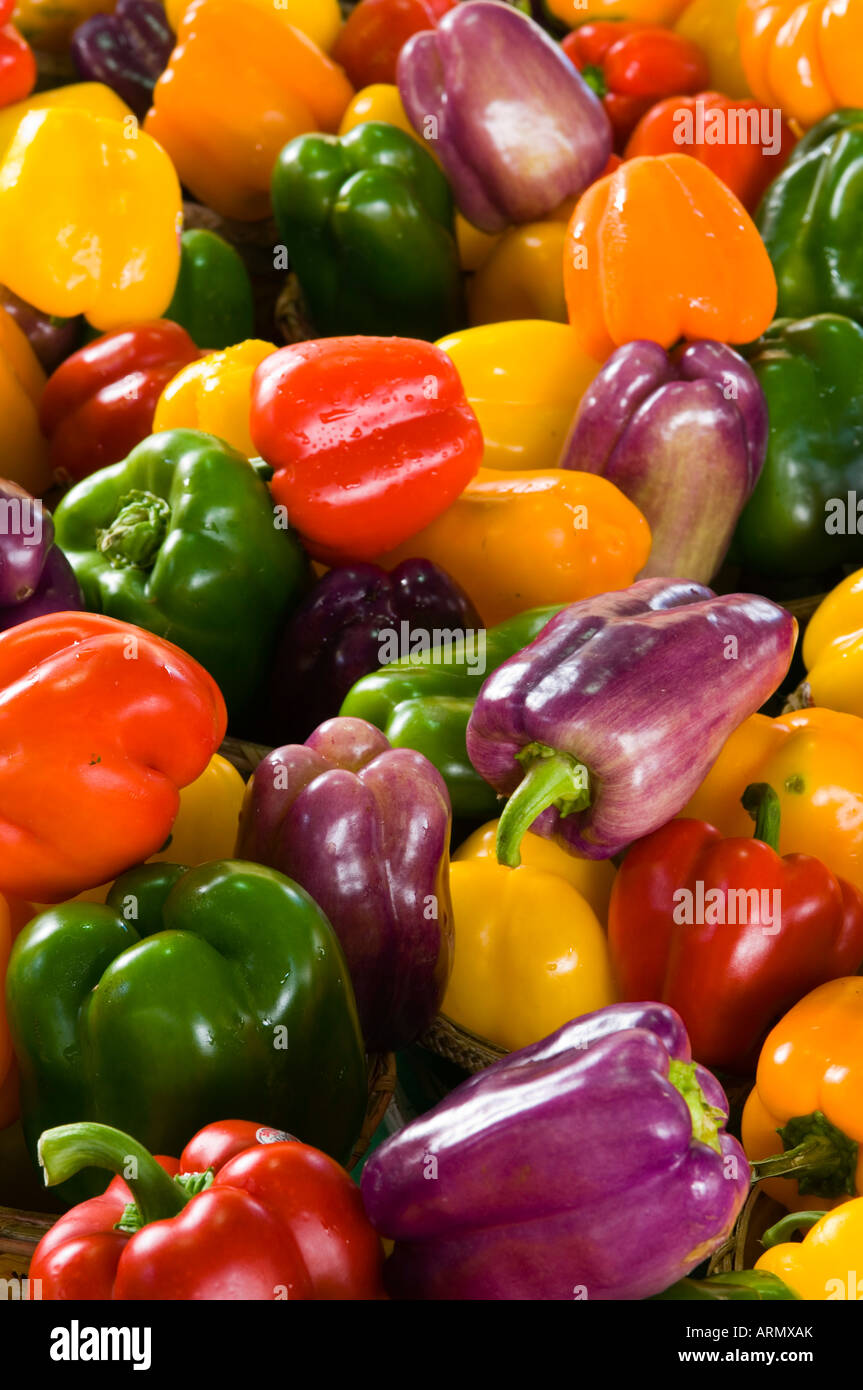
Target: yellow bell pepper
point(592, 878)
point(48, 24)
point(575, 12)
point(213, 395)
point(712, 24)
point(524, 378)
point(827, 1265)
point(529, 953)
point(379, 102)
point(93, 97)
point(474, 246)
point(319, 20)
point(22, 381)
point(89, 219)
point(521, 277)
point(833, 648)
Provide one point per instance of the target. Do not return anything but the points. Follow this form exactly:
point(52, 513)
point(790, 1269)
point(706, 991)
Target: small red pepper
point(676, 933)
point(247, 1213)
point(375, 33)
point(100, 402)
point(17, 63)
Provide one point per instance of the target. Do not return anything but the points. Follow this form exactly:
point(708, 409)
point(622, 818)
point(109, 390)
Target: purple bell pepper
point(336, 635)
point(365, 829)
point(35, 576)
point(684, 437)
point(603, 727)
point(52, 339)
point(127, 50)
point(514, 124)
point(591, 1165)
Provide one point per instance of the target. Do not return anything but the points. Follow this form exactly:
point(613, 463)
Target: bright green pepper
point(426, 704)
point(192, 995)
point(368, 223)
point(181, 539)
point(213, 295)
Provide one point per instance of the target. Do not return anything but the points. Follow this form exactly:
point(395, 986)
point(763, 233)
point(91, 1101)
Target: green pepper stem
point(765, 808)
point(66, 1149)
point(136, 534)
point(818, 1154)
point(551, 779)
point(788, 1226)
point(593, 75)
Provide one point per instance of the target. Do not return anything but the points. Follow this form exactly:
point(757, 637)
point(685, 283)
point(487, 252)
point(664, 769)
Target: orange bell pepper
point(662, 249)
point(515, 541)
point(803, 55)
point(22, 381)
point(240, 84)
point(813, 759)
point(214, 395)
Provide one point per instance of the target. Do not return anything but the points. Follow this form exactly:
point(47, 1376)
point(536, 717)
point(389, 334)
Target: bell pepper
point(554, 727)
point(127, 49)
point(368, 221)
point(712, 24)
point(218, 990)
point(484, 89)
point(825, 1264)
point(662, 249)
point(213, 394)
point(213, 295)
point(348, 626)
point(241, 82)
point(22, 381)
point(319, 20)
point(592, 878)
point(521, 277)
point(8, 1069)
point(833, 648)
point(181, 538)
point(514, 541)
point(726, 932)
point(747, 145)
point(17, 62)
point(814, 760)
point(425, 704)
point(644, 421)
point(92, 98)
point(370, 438)
point(379, 102)
point(88, 218)
point(806, 220)
point(801, 55)
point(385, 812)
point(101, 725)
point(524, 379)
point(801, 518)
point(51, 339)
point(631, 65)
point(247, 1213)
point(35, 576)
point(592, 1165)
point(807, 1091)
point(100, 402)
point(744, 1285)
point(376, 31)
point(573, 12)
point(49, 25)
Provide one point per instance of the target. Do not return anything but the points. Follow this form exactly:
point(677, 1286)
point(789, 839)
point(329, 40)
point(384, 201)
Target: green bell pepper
point(802, 516)
point(192, 995)
point(181, 539)
point(367, 219)
point(425, 704)
point(810, 221)
point(213, 295)
point(747, 1286)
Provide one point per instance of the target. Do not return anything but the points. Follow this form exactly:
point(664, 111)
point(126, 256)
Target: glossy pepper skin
point(213, 394)
point(368, 221)
point(426, 704)
point(684, 437)
point(592, 878)
point(100, 402)
point(386, 813)
point(129, 718)
point(213, 295)
point(833, 648)
point(17, 65)
point(375, 33)
point(169, 1004)
point(91, 98)
point(370, 438)
point(278, 1220)
point(552, 728)
point(611, 1167)
point(127, 50)
point(801, 55)
point(319, 20)
point(22, 382)
point(825, 1264)
point(35, 576)
point(496, 85)
point(729, 968)
point(796, 521)
point(712, 24)
point(345, 629)
point(241, 82)
point(661, 249)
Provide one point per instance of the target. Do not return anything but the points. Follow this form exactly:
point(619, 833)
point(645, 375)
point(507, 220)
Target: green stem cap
point(66, 1149)
point(819, 1156)
point(135, 536)
point(765, 808)
point(551, 779)
point(707, 1120)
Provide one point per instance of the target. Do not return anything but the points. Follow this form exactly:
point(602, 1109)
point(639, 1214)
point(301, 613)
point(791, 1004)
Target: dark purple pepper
point(127, 50)
point(52, 339)
point(35, 576)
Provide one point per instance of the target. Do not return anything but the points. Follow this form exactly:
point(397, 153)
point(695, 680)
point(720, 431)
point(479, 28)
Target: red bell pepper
point(375, 33)
point(631, 66)
point(727, 932)
point(100, 402)
point(17, 63)
point(371, 439)
point(247, 1213)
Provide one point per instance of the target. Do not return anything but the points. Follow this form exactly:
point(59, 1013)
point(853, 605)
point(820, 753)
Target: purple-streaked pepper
point(52, 339)
point(515, 126)
point(127, 50)
point(345, 628)
point(35, 576)
point(684, 436)
point(602, 728)
point(591, 1165)
point(365, 829)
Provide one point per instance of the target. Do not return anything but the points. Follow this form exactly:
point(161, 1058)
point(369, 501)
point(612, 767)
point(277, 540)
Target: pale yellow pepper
point(833, 648)
point(712, 24)
point(214, 394)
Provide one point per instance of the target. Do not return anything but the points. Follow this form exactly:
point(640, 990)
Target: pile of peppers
point(431, 646)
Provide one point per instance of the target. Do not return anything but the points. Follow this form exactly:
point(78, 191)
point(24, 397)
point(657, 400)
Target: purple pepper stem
point(551, 779)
